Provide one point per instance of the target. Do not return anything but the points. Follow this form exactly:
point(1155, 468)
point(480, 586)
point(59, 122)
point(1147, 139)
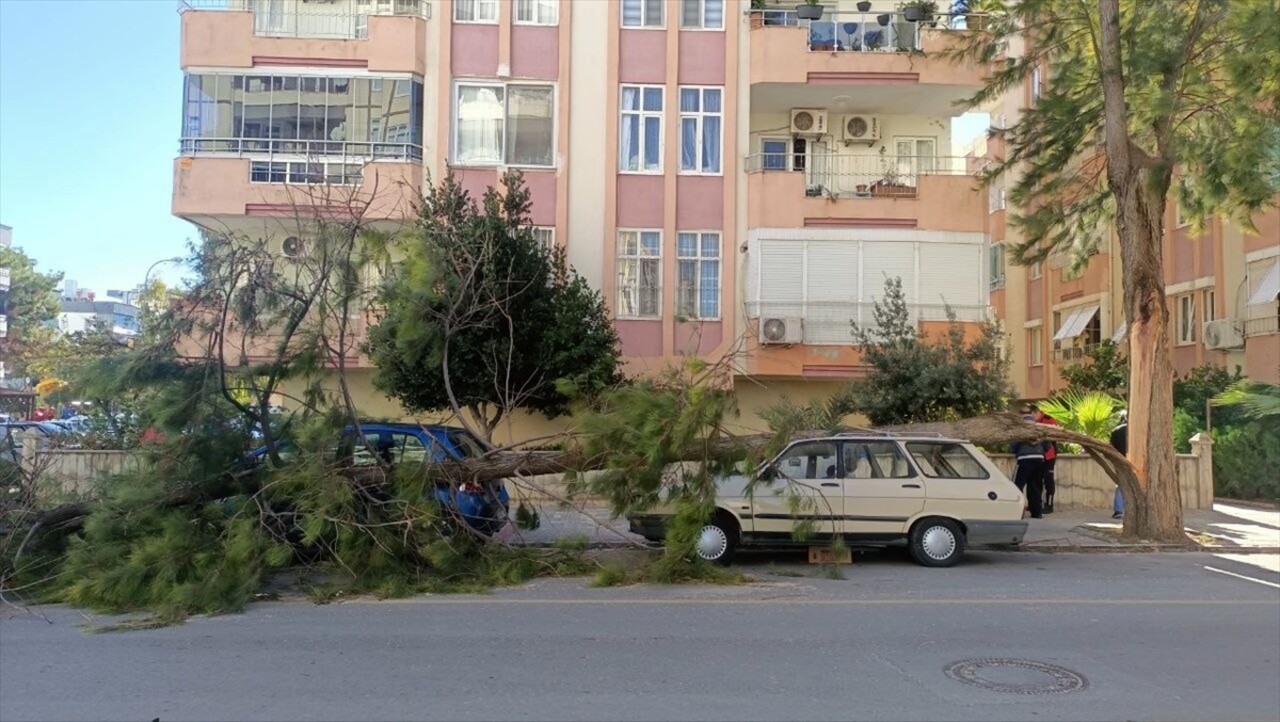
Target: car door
point(881, 490)
point(802, 484)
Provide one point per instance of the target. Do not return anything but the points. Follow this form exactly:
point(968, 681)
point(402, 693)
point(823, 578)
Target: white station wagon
point(934, 494)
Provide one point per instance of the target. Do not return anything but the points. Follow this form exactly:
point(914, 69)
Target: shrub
point(1245, 460)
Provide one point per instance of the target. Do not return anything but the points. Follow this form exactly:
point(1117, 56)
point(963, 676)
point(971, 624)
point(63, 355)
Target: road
point(1150, 636)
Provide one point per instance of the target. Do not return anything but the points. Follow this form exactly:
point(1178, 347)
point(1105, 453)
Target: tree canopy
point(31, 304)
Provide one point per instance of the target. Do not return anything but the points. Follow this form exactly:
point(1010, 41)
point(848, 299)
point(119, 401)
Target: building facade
point(735, 181)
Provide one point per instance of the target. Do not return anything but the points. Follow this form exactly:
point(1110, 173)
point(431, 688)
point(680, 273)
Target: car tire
point(936, 542)
point(718, 540)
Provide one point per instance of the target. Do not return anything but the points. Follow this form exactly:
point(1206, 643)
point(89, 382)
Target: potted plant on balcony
point(809, 10)
point(979, 13)
point(920, 11)
point(757, 14)
point(864, 6)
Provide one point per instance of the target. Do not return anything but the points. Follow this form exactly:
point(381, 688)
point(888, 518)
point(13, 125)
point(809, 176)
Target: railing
point(843, 175)
point(266, 148)
point(1073, 353)
point(868, 32)
point(830, 322)
point(340, 19)
point(1262, 326)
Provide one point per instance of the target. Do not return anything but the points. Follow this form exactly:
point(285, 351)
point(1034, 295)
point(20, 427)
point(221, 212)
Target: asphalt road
point(1148, 636)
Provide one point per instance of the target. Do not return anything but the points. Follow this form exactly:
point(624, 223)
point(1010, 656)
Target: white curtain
point(629, 143)
point(481, 112)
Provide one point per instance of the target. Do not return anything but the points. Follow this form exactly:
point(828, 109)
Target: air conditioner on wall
point(294, 247)
point(860, 129)
point(781, 330)
point(808, 122)
point(1223, 334)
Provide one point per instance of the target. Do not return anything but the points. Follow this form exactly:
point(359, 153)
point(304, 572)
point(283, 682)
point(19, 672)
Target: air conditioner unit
point(781, 330)
point(1222, 334)
point(808, 122)
point(294, 247)
point(860, 129)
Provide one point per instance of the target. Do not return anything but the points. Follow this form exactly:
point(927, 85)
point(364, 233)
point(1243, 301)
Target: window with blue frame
point(698, 273)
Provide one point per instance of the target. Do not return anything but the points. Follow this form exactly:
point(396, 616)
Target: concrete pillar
point(30, 444)
point(1202, 449)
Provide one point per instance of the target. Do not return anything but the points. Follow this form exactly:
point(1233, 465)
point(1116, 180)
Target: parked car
point(397, 444)
point(936, 495)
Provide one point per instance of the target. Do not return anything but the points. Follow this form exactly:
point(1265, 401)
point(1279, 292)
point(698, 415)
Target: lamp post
point(146, 278)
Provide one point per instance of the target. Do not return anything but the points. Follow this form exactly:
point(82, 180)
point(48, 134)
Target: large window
point(640, 144)
point(702, 14)
point(302, 115)
point(475, 11)
point(700, 116)
point(874, 460)
point(1186, 307)
point(537, 12)
point(642, 13)
point(505, 125)
point(639, 274)
point(698, 275)
point(1035, 346)
point(773, 153)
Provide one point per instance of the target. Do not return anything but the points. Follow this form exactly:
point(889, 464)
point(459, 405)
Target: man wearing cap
point(1029, 473)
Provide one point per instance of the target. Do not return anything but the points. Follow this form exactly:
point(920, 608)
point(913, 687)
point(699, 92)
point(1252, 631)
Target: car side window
point(809, 460)
point(366, 453)
point(408, 449)
point(945, 460)
point(874, 460)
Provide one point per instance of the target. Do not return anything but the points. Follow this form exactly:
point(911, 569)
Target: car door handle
point(910, 486)
point(830, 483)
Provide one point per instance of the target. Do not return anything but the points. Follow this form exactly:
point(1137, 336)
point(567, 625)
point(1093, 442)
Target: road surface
point(1139, 636)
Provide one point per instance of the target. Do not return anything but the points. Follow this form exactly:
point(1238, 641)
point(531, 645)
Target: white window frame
point(506, 98)
point(545, 236)
point(477, 18)
point(702, 15)
point(1208, 305)
point(644, 16)
point(1035, 346)
point(1185, 317)
point(531, 6)
point(1036, 85)
point(639, 256)
point(1037, 270)
point(698, 260)
point(699, 117)
point(641, 116)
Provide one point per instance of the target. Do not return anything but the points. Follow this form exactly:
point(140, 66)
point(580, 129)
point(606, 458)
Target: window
point(545, 236)
point(1186, 308)
point(1035, 85)
point(640, 147)
point(702, 14)
point(942, 460)
point(808, 460)
point(335, 173)
point(537, 12)
point(700, 115)
point(773, 153)
point(1035, 346)
point(475, 11)
point(505, 125)
point(874, 460)
point(639, 274)
point(642, 13)
point(1208, 309)
point(698, 275)
point(995, 199)
point(1178, 219)
point(1037, 269)
point(995, 262)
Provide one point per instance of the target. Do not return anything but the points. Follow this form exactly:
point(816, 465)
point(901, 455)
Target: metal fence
point(830, 322)
point(1262, 326)
point(292, 19)
point(859, 32)
point(267, 148)
point(847, 175)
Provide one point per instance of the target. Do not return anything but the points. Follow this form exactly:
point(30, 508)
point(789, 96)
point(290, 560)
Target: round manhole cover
point(1016, 676)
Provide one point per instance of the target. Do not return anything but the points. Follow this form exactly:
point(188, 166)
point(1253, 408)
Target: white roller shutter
point(881, 260)
point(781, 278)
point(951, 273)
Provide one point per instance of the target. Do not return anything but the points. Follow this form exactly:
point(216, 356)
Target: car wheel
point(718, 539)
point(936, 542)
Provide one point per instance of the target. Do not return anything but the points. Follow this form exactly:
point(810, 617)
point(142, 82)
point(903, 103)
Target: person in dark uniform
point(1029, 473)
point(1050, 461)
point(1120, 441)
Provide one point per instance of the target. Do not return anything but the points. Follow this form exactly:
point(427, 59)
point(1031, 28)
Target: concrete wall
point(74, 472)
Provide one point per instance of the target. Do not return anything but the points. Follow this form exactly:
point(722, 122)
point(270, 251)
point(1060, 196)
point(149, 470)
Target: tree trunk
point(1140, 185)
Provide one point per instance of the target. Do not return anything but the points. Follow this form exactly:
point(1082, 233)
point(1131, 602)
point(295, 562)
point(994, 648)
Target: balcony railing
point(841, 175)
point(1262, 326)
point(292, 19)
point(829, 322)
point(869, 32)
point(268, 148)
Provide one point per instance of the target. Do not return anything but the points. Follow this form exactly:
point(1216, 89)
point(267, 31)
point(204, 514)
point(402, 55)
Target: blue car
point(396, 444)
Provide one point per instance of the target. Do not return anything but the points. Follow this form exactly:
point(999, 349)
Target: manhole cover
point(1016, 676)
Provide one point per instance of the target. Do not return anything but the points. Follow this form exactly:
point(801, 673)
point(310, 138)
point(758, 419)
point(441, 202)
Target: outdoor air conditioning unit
point(294, 247)
point(808, 122)
point(781, 330)
point(1222, 334)
point(860, 129)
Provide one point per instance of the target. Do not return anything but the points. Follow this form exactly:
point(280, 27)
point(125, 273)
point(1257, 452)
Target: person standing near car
point(1050, 461)
point(1029, 473)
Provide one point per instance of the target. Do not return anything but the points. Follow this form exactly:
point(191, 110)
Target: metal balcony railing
point(338, 19)
point(829, 322)
point(270, 148)
point(1262, 326)
point(869, 32)
point(841, 175)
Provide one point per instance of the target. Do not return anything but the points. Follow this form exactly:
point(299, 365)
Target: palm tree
point(1094, 413)
point(1256, 399)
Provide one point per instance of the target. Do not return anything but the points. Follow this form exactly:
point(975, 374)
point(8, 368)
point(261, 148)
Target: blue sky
point(90, 111)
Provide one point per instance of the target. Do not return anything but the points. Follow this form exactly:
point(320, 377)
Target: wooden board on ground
point(827, 555)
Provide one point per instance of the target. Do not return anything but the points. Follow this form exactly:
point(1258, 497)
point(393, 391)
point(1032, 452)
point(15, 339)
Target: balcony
point(883, 54)
point(380, 35)
point(836, 189)
point(830, 322)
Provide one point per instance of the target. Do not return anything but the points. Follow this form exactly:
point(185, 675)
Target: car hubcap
point(938, 542)
point(712, 542)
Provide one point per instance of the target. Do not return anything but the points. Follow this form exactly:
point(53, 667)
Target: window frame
point(515, 14)
point(786, 153)
point(1037, 85)
point(1185, 318)
point(1035, 346)
point(639, 256)
point(1036, 270)
point(641, 115)
point(833, 444)
point(662, 20)
point(497, 12)
point(996, 265)
point(702, 16)
point(912, 455)
point(549, 242)
point(1208, 305)
point(843, 472)
point(699, 116)
point(698, 260)
point(506, 118)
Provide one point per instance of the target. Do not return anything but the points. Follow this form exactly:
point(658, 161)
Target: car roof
point(403, 426)
point(872, 435)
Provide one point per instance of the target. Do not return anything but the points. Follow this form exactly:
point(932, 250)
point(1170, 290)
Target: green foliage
point(1245, 460)
point(1255, 399)
point(1193, 393)
point(33, 303)
point(1105, 370)
point(481, 314)
point(614, 574)
point(1184, 427)
point(1093, 414)
point(914, 378)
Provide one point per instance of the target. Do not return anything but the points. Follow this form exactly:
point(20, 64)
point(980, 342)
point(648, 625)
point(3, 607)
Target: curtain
point(650, 287)
point(480, 125)
point(711, 144)
point(629, 143)
point(689, 143)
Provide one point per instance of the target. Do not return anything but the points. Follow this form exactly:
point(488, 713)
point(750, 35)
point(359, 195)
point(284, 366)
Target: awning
point(1269, 288)
point(1121, 330)
point(1075, 323)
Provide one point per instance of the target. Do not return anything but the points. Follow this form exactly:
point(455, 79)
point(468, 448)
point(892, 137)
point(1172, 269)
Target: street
point(1141, 636)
